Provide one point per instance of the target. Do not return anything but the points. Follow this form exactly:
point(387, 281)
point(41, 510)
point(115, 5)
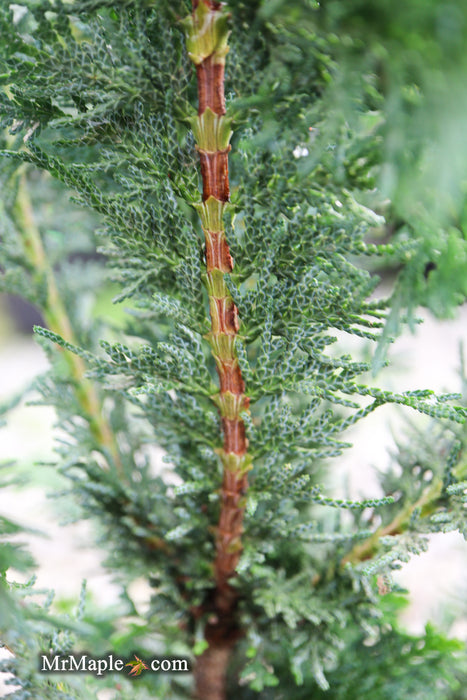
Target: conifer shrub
point(215, 184)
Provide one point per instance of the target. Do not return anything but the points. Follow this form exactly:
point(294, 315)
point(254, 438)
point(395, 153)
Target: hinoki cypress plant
point(239, 266)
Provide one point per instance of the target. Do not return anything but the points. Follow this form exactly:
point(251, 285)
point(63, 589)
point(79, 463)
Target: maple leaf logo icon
point(138, 666)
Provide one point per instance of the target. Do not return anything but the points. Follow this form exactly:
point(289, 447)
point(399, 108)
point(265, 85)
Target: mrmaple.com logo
point(99, 665)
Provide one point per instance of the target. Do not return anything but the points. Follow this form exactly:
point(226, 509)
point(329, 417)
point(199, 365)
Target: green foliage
point(417, 54)
point(381, 663)
point(27, 626)
point(99, 98)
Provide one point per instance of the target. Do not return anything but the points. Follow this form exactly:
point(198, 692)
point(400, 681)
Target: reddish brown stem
point(207, 45)
point(221, 635)
point(210, 86)
point(217, 254)
point(210, 672)
point(215, 174)
point(224, 322)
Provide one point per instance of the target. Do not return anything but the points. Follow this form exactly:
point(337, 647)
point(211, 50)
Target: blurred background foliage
point(392, 83)
point(410, 60)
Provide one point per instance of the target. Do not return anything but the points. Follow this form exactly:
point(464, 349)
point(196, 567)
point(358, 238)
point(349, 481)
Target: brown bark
point(217, 253)
point(222, 631)
point(210, 672)
point(211, 667)
point(215, 174)
point(211, 86)
point(224, 320)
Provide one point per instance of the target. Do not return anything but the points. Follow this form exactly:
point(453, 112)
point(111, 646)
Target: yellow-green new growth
point(206, 34)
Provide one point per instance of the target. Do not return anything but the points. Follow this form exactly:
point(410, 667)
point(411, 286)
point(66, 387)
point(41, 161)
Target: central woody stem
point(207, 33)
